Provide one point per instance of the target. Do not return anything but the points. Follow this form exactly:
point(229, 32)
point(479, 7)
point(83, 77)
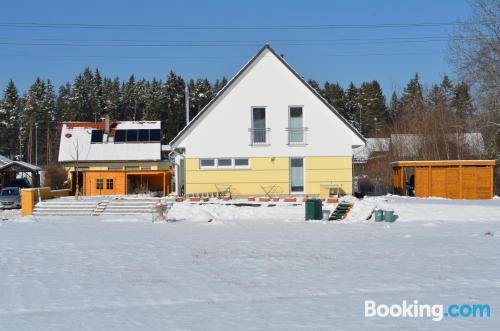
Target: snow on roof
point(22, 164)
point(75, 136)
point(4, 160)
point(362, 153)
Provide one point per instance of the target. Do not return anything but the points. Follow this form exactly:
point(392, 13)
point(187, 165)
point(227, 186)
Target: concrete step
point(65, 207)
point(61, 213)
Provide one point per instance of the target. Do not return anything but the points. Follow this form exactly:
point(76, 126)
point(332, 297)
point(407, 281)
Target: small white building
point(266, 130)
point(115, 157)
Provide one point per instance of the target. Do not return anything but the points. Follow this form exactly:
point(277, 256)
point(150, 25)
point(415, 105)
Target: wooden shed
point(463, 179)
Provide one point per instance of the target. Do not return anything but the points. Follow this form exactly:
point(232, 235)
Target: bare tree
point(475, 50)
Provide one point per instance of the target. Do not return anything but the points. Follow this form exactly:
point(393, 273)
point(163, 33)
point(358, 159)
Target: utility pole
point(36, 144)
point(20, 143)
point(186, 91)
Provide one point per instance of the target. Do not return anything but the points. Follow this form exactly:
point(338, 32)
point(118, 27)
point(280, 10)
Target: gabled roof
point(373, 145)
point(79, 133)
point(243, 70)
point(21, 166)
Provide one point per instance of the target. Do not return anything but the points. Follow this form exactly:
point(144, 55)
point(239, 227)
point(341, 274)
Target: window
point(296, 175)
point(143, 135)
point(296, 126)
point(96, 137)
point(131, 135)
point(99, 184)
point(258, 130)
point(120, 136)
point(241, 163)
point(207, 163)
point(154, 135)
point(109, 184)
point(224, 163)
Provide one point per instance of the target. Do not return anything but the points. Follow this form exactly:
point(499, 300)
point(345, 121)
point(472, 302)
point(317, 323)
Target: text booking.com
point(436, 312)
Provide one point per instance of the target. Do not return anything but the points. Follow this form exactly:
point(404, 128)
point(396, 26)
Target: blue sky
point(325, 58)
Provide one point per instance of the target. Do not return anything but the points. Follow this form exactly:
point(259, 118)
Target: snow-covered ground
point(250, 268)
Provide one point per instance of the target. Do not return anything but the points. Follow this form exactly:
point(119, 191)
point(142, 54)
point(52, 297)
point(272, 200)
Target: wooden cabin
point(463, 179)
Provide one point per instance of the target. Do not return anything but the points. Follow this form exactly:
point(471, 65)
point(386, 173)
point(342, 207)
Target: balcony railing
point(297, 136)
point(259, 136)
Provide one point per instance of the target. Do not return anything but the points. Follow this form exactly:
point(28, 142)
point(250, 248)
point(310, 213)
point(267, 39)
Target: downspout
point(173, 154)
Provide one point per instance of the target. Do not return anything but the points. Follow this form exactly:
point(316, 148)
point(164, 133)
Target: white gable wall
point(223, 130)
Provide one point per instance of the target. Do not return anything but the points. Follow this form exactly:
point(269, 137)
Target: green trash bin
point(379, 215)
point(389, 215)
point(313, 209)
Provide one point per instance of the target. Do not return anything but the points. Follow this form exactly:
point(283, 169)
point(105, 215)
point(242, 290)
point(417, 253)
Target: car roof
point(11, 187)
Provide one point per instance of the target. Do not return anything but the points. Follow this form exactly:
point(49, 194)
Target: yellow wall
point(29, 197)
point(267, 171)
point(328, 170)
point(105, 165)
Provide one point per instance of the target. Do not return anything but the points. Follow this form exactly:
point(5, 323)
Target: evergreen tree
point(154, 105)
point(413, 95)
point(436, 97)
point(334, 94)
point(173, 110)
point(351, 105)
point(97, 102)
point(33, 113)
point(315, 85)
point(129, 105)
point(447, 88)
point(82, 102)
point(218, 85)
point(200, 94)
point(9, 120)
point(371, 101)
point(48, 124)
point(63, 103)
point(462, 101)
point(393, 108)
point(111, 98)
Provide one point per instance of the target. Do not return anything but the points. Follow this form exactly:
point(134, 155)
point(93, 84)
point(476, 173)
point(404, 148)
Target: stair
point(58, 207)
point(126, 207)
point(340, 212)
point(155, 207)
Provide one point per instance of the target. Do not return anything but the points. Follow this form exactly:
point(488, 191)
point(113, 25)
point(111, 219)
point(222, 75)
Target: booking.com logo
point(436, 312)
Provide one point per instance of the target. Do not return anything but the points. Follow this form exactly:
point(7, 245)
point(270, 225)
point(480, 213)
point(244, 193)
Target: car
point(20, 182)
point(10, 197)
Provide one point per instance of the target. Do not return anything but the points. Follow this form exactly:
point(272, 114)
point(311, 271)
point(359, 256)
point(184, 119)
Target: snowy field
point(250, 268)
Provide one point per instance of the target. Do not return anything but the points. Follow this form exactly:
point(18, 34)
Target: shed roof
point(443, 163)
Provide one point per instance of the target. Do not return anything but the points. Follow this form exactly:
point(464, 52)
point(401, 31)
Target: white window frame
point(304, 128)
point(223, 167)
point(290, 175)
point(241, 166)
point(266, 128)
point(208, 167)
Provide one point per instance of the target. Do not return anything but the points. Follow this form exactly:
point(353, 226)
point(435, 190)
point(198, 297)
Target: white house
point(267, 129)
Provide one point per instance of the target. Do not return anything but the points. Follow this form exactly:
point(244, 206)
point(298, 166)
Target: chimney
point(106, 124)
